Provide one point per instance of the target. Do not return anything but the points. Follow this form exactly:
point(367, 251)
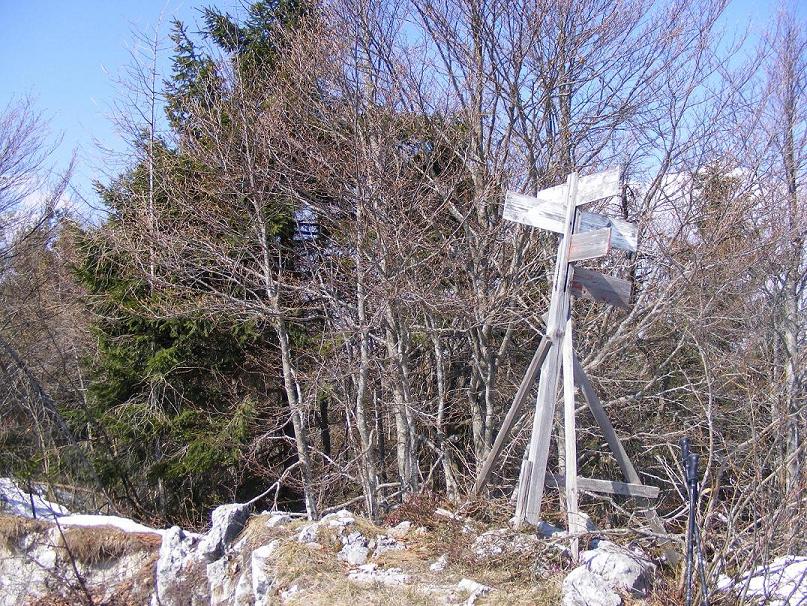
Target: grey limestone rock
point(621, 568)
point(581, 587)
point(228, 522)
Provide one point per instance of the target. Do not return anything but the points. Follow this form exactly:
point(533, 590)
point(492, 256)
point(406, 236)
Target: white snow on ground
point(124, 524)
point(19, 502)
point(783, 582)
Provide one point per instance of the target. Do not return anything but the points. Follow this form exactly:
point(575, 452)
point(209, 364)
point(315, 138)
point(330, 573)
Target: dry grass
point(14, 528)
point(418, 509)
point(368, 528)
point(546, 593)
point(90, 545)
point(256, 533)
point(496, 512)
point(342, 591)
point(298, 564)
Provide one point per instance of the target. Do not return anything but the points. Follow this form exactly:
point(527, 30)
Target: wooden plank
point(546, 213)
point(574, 523)
point(590, 245)
point(625, 234)
point(549, 214)
point(600, 287)
point(533, 470)
point(607, 486)
point(513, 414)
point(598, 186)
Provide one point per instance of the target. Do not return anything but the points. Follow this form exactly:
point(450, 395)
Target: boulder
point(278, 519)
point(308, 533)
point(340, 519)
point(401, 530)
point(621, 568)
point(503, 540)
point(370, 574)
point(176, 550)
point(220, 581)
point(383, 544)
point(228, 522)
point(262, 580)
point(581, 587)
point(355, 554)
point(353, 537)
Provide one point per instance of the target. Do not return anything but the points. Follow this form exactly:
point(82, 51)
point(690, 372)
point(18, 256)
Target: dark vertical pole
point(690, 523)
point(692, 484)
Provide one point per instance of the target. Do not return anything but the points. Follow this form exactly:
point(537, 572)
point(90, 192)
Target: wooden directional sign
point(589, 188)
point(589, 244)
point(585, 235)
point(600, 287)
point(547, 210)
point(624, 236)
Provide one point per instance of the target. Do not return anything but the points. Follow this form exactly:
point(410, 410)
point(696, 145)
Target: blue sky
point(66, 53)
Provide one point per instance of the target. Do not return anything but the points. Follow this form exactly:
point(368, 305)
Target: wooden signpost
point(584, 235)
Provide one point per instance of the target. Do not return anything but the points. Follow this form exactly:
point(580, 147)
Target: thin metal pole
point(692, 485)
point(690, 523)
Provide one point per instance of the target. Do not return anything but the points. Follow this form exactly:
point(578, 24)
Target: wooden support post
point(572, 514)
point(513, 414)
point(607, 429)
point(628, 470)
point(531, 479)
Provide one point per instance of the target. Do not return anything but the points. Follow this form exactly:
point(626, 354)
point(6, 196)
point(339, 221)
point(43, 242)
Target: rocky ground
point(424, 554)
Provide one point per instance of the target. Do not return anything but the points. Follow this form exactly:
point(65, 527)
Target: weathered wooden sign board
point(584, 235)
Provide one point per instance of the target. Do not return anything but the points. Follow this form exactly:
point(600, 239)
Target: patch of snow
point(783, 582)
point(124, 524)
point(21, 503)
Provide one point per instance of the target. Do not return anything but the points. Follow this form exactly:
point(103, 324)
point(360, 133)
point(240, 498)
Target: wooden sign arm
point(513, 414)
